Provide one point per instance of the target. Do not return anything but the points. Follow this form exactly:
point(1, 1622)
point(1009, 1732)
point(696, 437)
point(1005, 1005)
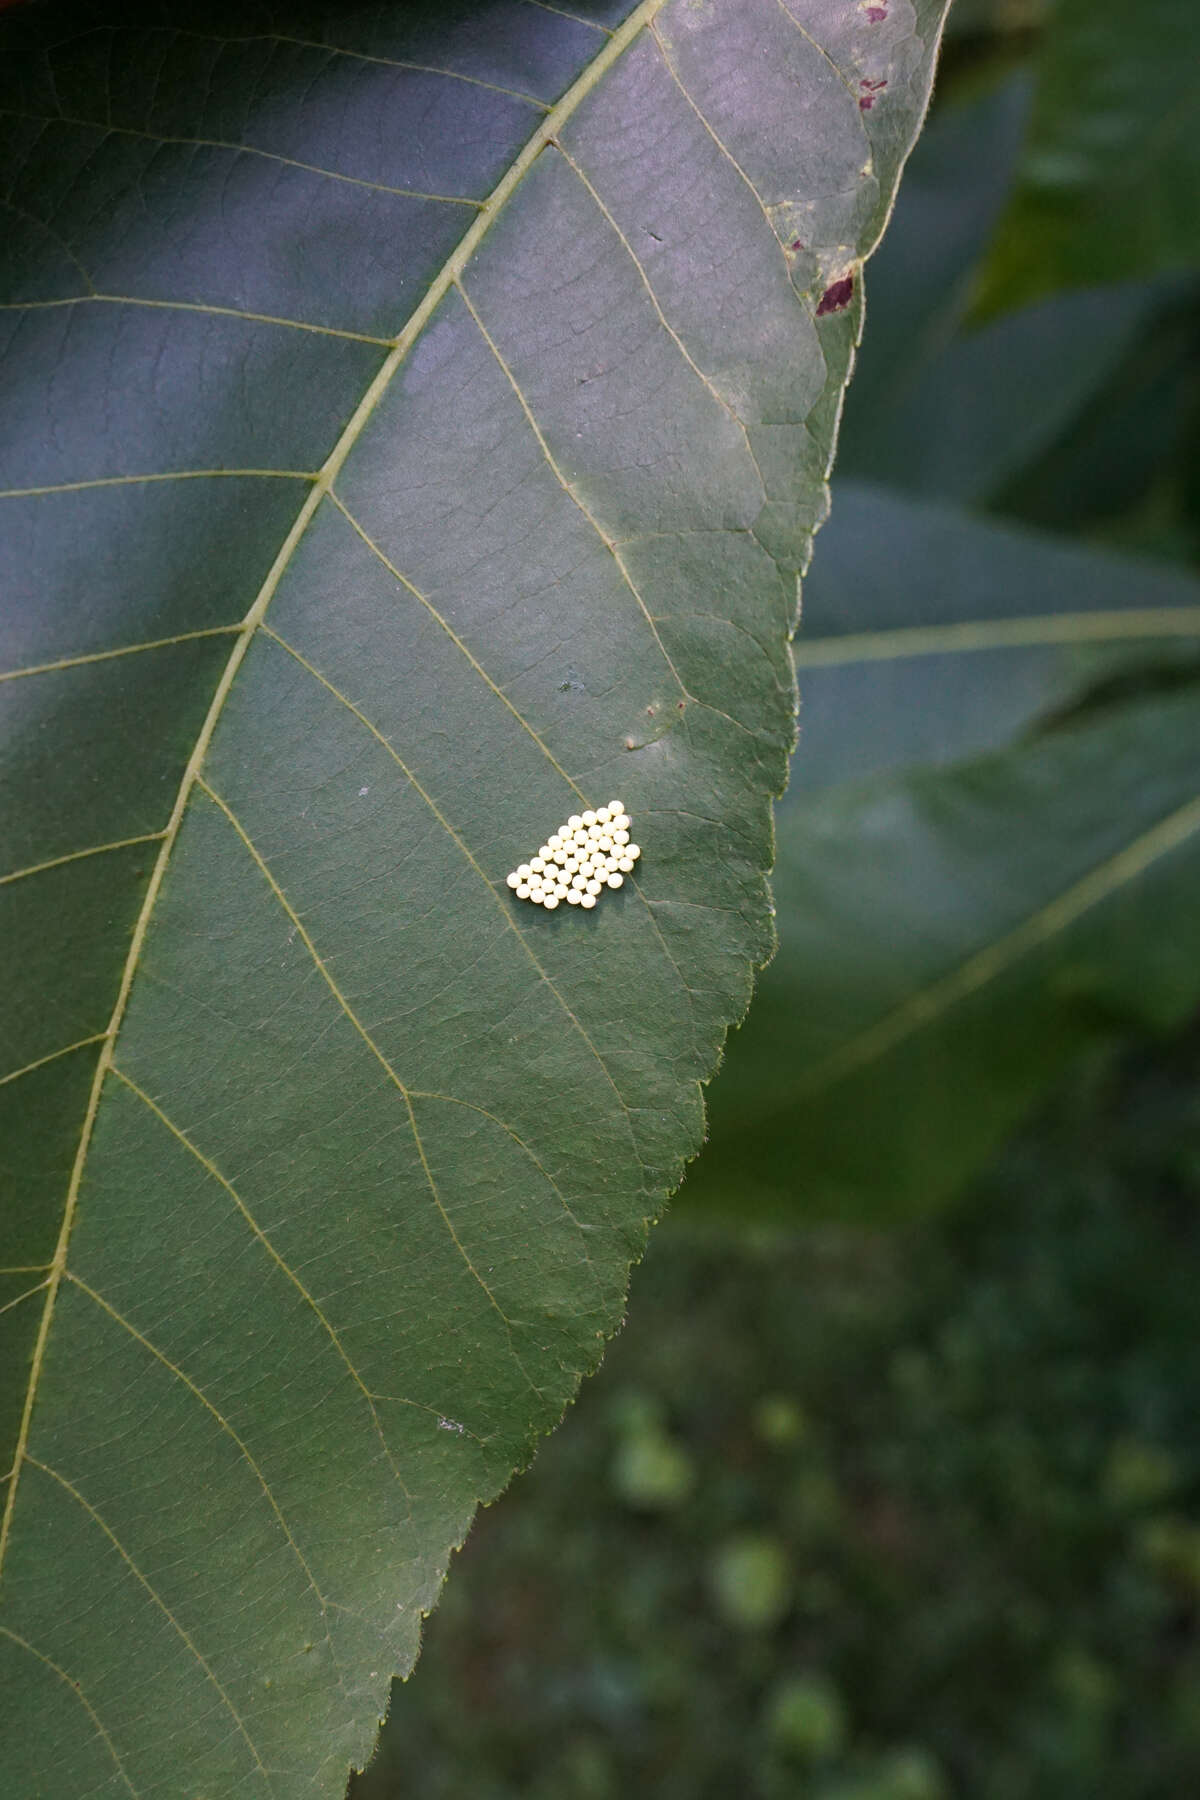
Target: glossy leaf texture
point(416, 419)
point(989, 856)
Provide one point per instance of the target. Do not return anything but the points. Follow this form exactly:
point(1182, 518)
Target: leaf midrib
point(447, 276)
point(1112, 624)
point(928, 1003)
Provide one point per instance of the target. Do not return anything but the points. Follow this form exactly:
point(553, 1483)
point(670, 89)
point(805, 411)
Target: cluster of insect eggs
point(590, 852)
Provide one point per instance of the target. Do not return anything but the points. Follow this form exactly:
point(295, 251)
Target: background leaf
point(417, 418)
point(922, 278)
point(1110, 177)
point(978, 873)
point(997, 397)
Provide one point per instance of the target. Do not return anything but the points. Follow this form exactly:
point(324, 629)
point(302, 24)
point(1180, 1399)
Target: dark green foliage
point(972, 1445)
point(1110, 178)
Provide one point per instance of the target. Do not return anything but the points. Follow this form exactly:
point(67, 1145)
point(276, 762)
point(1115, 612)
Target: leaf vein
point(194, 306)
point(97, 1519)
point(567, 488)
point(74, 1686)
point(387, 62)
point(454, 637)
point(280, 1262)
point(53, 1056)
point(820, 49)
point(466, 852)
point(27, 1295)
point(928, 1003)
point(999, 634)
point(562, 13)
point(199, 1394)
point(106, 481)
point(725, 405)
point(76, 662)
point(473, 1106)
point(291, 162)
point(43, 225)
point(327, 976)
point(723, 147)
point(56, 862)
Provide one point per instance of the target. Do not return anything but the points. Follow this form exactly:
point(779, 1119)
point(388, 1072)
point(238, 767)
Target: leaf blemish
point(837, 295)
point(872, 89)
point(877, 14)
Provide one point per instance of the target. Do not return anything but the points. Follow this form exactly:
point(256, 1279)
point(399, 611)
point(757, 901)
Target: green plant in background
point(987, 1516)
point(1109, 184)
point(416, 419)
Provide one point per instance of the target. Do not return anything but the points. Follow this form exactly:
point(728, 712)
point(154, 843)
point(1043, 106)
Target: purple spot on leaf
point(797, 244)
point(877, 14)
point(836, 296)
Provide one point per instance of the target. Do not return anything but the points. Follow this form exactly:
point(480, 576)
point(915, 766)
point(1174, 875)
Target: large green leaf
point(1117, 466)
point(1061, 411)
point(957, 180)
point(1110, 180)
point(996, 398)
point(416, 418)
point(978, 874)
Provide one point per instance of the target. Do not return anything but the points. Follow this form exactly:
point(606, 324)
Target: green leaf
point(978, 875)
point(930, 636)
point(956, 182)
point(998, 396)
point(416, 420)
point(1110, 180)
point(1127, 446)
point(1058, 411)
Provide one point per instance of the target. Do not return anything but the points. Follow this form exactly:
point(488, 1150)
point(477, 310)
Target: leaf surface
point(977, 874)
point(417, 418)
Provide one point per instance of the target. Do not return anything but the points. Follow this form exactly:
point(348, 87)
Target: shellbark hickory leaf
point(416, 420)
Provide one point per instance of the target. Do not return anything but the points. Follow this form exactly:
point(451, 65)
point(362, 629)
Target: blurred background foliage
point(888, 1489)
